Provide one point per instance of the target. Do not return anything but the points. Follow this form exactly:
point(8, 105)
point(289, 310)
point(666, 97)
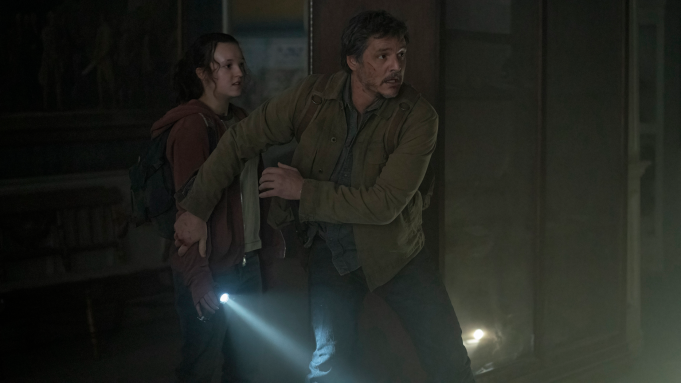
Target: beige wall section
point(267, 10)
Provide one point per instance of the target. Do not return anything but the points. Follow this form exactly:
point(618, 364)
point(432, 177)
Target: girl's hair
point(186, 83)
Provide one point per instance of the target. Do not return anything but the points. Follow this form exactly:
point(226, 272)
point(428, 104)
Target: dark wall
point(82, 82)
point(70, 158)
point(535, 193)
point(672, 134)
point(493, 114)
point(201, 17)
point(51, 144)
point(585, 174)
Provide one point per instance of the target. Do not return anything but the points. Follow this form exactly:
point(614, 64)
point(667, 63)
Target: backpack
point(152, 188)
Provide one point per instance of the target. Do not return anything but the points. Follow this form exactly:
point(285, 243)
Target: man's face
point(382, 68)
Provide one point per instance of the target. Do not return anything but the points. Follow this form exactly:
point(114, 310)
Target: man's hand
point(190, 229)
point(284, 181)
point(209, 303)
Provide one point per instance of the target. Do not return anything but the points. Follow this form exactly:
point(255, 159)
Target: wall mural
point(85, 54)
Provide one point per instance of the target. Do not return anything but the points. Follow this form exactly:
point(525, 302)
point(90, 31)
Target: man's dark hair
point(362, 27)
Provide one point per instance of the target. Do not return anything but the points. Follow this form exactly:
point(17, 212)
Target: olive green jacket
point(383, 203)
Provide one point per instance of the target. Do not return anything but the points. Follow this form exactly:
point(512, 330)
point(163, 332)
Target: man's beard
point(394, 76)
point(369, 85)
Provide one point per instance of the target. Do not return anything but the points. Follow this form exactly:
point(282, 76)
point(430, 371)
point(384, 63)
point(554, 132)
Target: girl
point(209, 75)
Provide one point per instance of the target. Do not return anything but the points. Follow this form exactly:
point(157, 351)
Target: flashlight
point(478, 334)
point(224, 298)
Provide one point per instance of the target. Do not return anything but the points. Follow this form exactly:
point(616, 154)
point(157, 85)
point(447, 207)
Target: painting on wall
point(81, 55)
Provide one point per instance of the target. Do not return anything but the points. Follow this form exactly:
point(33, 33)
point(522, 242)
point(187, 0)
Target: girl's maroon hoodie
point(187, 149)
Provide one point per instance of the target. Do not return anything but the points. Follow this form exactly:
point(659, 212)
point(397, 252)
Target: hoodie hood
point(178, 113)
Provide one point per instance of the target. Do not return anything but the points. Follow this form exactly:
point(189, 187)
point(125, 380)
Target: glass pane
point(649, 238)
point(647, 72)
point(491, 143)
point(274, 42)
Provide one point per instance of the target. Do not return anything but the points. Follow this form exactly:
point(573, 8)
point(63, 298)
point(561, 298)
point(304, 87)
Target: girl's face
point(228, 71)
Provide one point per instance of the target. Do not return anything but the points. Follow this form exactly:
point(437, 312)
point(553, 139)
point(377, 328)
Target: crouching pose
point(365, 141)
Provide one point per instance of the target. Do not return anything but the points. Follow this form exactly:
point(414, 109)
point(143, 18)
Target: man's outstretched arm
point(270, 124)
point(378, 204)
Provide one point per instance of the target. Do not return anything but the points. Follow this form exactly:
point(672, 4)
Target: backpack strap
point(212, 133)
point(239, 113)
point(316, 99)
point(409, 98)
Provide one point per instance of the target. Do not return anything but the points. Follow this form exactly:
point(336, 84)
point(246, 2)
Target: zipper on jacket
point(241, 195)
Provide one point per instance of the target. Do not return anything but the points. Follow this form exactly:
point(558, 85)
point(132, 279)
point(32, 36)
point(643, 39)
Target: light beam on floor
point(290, 349)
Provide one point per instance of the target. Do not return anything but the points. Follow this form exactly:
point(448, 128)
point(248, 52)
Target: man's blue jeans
point(416, 294)
point(225, 332)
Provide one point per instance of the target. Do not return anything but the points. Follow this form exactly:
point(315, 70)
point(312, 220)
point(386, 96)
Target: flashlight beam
point(287, 346)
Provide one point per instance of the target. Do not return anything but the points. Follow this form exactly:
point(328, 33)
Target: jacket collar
point(334, 89)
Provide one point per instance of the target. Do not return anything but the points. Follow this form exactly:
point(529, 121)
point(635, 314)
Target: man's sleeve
point(187, 148)
point(270, 124)
point(399, 180)
point(195, 271)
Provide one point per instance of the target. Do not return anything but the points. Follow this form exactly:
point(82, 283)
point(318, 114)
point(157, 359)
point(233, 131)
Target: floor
point(138, 336)
point(139, 341)
point(660, 359)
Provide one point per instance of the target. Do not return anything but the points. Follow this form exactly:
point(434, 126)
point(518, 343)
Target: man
point(359, 197)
